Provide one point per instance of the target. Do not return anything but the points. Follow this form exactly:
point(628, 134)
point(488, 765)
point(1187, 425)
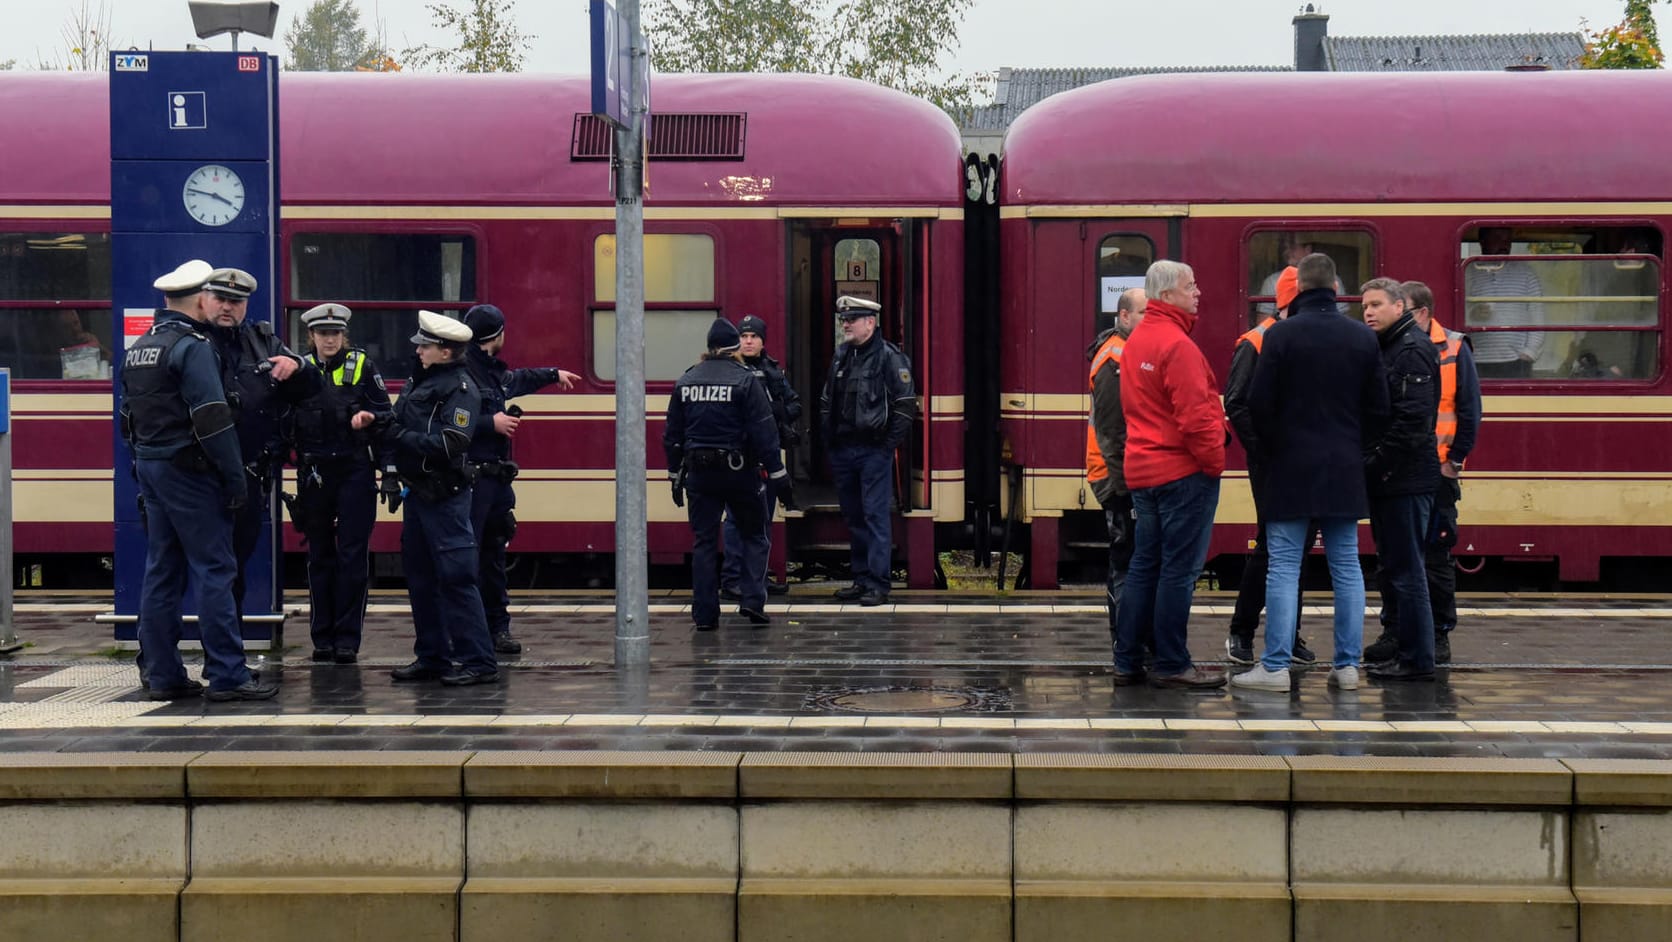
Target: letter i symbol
point(179, 110)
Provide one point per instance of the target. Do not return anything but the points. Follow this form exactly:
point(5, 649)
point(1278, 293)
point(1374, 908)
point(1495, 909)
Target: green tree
point(1632, 43)
point(897, 43)
point(488, 39)
point(327, 37)
point(7, 65)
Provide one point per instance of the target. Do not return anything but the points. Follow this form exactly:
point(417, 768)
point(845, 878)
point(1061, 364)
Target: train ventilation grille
point(673, 136)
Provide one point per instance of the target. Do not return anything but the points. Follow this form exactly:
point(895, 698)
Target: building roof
point(1018, 89)
point(1486, 137)
point(1473, 53)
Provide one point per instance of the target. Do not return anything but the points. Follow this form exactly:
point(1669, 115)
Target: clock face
point(214, 195)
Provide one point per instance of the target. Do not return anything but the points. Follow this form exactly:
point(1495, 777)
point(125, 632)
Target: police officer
point(786, 413)
point(176, 420)
point(263, 379)
point(720, 432)
point(867, 410)
point(492, 501)
point(336, 493)
point(430, 435)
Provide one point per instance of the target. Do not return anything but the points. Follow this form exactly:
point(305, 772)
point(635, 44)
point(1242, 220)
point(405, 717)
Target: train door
point(867, 259)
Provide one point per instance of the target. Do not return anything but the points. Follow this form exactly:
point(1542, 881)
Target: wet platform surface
point(1532, 677)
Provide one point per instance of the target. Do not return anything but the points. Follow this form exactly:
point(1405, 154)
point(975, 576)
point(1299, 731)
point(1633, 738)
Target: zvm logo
point(128, 62)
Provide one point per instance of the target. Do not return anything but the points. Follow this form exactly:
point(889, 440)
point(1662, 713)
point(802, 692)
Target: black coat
point(1404, 458)
point(1318, 391)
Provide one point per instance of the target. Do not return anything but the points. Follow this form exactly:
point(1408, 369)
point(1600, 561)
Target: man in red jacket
point(1175, 453)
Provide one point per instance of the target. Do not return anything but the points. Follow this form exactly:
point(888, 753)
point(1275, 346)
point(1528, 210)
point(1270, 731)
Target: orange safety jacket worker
point(1096, 468)
point(1445, 422)
point(1257, 335)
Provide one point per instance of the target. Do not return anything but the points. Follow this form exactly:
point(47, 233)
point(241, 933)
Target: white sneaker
point(1261, 679)
point(1344, 678)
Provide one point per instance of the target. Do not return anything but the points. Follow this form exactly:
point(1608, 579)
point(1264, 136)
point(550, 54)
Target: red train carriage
point(768, 195)
point(1562, 175)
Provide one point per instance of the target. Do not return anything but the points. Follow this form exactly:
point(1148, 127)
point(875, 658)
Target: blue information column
point(194, 173)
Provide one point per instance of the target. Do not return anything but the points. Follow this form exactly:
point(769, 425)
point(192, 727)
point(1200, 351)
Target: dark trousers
point(187, 533)
point(731, 568)
point(1400, 525)
point(1251, 591)
point(1441, 569)
point(1119, 518)
point(491, 503)
point(708, 494)
point(1170, 545)
point(438, 552)
point(340, 511)
point(863, 489)
point(246, 533)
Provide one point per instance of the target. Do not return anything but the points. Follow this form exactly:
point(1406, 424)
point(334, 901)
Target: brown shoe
point(1192, 679)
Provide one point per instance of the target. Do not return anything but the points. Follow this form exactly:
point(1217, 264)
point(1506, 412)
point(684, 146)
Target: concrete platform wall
point(692, 847)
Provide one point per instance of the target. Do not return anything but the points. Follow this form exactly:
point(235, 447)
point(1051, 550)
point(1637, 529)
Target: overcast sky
point(1035, 33)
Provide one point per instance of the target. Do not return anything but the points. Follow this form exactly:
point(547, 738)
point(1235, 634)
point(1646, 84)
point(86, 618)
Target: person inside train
point(1175, 455)
point(1106, 451)
point(430, 435)
point(1317, 394)
point(1292, 247)
point(1501, 354)
point(1617, 354)
point(493, 501)
point(786, 413)
point(1251, 591)
point(1403, 470)
point(1455, 427)
point(336, 492)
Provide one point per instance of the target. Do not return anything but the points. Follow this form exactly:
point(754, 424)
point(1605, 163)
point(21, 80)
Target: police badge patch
point(905, 376)
point(378, 379)
point(461, 418)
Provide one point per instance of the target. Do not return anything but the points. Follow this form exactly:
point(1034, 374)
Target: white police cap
point(232, 283)
point(188, 279)
point(326, 317)
point(849, 306)
point(439, 328)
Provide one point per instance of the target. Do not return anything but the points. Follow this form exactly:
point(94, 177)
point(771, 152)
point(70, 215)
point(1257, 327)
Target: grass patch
point(963, 575)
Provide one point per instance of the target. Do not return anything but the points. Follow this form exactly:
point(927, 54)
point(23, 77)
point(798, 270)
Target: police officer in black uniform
point(336, 492)
point(176, 420)
point(263, 380)
point(720, 432)
point(430, 434)
point(493, 501)
point(867, 410)
point(786, 414)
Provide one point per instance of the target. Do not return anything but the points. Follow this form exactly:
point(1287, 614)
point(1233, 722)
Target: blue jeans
point(862, 488)
point(187, 531)
point(731, 567)
point(1170, 544)
point(1286, 542)
point(708, 494)
point(1400, 526)
point(438, 552)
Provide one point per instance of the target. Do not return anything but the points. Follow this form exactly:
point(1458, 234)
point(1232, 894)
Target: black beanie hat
point(752, 325)
point(723, 336)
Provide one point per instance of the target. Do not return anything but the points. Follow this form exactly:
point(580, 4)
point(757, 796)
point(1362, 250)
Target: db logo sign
point(249, 63)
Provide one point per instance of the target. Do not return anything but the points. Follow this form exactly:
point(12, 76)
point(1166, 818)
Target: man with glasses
point(867, 410)
point(1455, 426)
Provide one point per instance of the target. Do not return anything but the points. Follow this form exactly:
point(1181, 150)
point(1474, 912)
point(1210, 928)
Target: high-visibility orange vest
point(1445, 420)
point(1257, 336)
point(1096, 468)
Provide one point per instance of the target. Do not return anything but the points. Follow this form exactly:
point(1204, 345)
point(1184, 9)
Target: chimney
point(1310, 29)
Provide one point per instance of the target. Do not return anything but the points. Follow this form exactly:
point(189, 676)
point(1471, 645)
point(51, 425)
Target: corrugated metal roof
point(1478, 53)
point(1017, 89)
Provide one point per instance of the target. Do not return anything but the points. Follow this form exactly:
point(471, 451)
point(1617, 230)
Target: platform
point(1538, 677)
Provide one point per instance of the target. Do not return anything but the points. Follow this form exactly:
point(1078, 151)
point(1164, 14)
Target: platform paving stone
point(1538, 677)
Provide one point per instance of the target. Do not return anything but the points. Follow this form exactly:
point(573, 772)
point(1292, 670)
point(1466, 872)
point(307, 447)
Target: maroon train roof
point(406, 138)
point(1320, 137)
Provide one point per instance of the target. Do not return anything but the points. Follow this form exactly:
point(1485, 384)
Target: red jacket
point(1175, 424)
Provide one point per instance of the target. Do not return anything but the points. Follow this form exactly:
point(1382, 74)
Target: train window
point(1554, 304)
point(382, 266)
point(1122, 261)
point(55, 320)
point(673, 340)
point(678, 269)
point(1271, 251)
